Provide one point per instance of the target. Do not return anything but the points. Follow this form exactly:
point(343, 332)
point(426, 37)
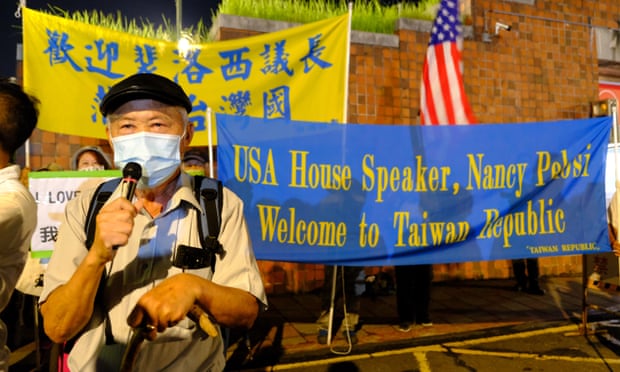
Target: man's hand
point(115, 222)
point(165, 305)
point(174, 298)
point(615, 246)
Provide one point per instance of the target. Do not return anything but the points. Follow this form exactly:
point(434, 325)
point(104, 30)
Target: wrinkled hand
point(615, 246)
point(115, 222)
point(165, 305)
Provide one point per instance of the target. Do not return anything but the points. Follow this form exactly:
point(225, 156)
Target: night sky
point(152, 10)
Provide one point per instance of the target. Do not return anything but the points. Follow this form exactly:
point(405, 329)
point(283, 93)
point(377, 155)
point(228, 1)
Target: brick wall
point(546, 68)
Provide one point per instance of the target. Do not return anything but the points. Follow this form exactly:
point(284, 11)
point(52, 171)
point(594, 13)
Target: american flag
point(443, 99)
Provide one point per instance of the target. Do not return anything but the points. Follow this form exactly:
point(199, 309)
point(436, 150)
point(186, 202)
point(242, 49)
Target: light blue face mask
point(158, 154)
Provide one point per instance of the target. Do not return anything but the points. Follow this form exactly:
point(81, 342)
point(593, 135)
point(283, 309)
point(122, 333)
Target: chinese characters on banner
point(294, 74)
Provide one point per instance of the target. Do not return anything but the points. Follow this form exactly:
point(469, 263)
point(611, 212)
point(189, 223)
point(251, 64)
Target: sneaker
point(404, 327)
point(321, 338)
point(428, 323)
point(352, 335)
point(323, 321)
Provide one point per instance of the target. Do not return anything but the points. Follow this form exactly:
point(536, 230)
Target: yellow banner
point(296, 74)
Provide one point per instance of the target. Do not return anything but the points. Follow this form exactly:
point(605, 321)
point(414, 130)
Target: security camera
point(501, 26)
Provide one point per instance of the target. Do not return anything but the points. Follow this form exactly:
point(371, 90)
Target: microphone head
point(132, 170)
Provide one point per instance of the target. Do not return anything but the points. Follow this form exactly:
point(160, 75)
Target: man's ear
point(109, 135)
point(189, 135)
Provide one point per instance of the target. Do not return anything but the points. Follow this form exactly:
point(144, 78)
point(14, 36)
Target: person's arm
point(230, 307)
point(171, 300)
point(13, 251)
point(68, 309)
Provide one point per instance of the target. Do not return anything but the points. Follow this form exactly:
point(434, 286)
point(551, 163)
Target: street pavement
point(285, 335)
point(552, 349)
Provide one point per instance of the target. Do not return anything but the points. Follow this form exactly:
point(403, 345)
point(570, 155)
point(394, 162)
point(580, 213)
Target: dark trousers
point(529, 279)
point(413, 292)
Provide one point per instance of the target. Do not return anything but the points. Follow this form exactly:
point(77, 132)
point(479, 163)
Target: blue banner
point(357, 194)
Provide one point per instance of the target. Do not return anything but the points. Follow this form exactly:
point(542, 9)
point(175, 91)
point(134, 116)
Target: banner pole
point(345, 109)
point(210, 141)
point(331, 306)
point(614, 122)
point(19, 57)
point(179, 18)
point(345, 117)
point(27, 153)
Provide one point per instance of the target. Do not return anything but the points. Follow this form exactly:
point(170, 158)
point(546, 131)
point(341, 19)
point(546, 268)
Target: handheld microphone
point(131, 174)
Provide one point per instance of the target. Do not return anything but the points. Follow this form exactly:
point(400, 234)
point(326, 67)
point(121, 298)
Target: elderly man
point(133, 245)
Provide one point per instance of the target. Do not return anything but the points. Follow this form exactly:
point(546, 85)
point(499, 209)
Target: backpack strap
point(101, 195)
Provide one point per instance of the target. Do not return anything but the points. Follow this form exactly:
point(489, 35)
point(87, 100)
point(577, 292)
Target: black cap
point(144, 86)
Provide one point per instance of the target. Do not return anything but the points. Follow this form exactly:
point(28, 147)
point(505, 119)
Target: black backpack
point(207, 191)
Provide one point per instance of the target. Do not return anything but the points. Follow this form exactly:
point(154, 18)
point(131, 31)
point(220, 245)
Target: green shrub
point(368, 16)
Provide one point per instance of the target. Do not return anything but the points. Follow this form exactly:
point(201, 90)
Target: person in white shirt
point(18, 209)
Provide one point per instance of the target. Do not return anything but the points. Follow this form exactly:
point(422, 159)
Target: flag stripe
point(434, 98)
point(428, 109)
point(445, 76)
point(464, 113)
